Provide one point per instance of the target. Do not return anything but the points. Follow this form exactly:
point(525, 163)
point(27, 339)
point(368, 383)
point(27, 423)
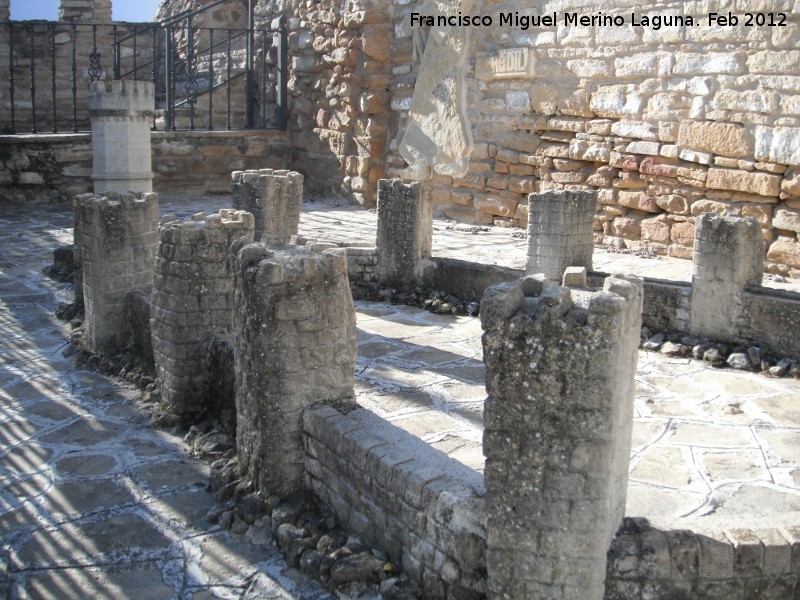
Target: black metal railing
point(205, 78)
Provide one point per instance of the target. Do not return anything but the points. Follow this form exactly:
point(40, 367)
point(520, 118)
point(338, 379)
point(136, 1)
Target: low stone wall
point(56, 167)
point(649, 563)
point(423, 509)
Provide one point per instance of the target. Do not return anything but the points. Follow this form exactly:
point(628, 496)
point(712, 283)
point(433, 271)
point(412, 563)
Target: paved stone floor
point(94, 503)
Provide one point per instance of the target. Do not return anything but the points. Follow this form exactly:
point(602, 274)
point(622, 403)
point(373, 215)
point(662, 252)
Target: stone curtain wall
point(295, 347)
point(192, 301)
point(741, 563)
point(560, 368)
point(50, 168)
point(274, 198)
point(119, 237)
point(666, 124)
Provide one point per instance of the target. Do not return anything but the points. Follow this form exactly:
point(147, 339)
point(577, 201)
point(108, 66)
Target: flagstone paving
point(96, 503)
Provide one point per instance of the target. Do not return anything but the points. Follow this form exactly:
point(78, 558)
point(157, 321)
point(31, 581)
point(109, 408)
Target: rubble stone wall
point(295, 347)
point(665, 123)
point(119, 237)
point(192, 301)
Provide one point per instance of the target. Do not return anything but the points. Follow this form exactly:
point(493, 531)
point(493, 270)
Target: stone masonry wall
point(192, 301)
point(119, 237)
point(560, 368)
point(56, 167)
point(667, 123)
point(274, 198)
point(423, 509)
point(339, 71)
point(295, 347)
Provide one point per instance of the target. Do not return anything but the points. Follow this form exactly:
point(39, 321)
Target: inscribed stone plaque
point(504, 64)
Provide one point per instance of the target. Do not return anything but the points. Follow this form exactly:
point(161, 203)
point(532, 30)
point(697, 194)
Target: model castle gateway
point(672, 139)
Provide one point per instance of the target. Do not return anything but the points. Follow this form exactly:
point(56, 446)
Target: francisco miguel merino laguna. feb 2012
point(571, 19)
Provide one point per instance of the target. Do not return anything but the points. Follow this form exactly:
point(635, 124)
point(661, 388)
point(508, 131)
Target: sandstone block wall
point(405, 231)
point(666, 124)
point(424, 510)
point(119, 237)
point(193, 301)
point(274, 198)
point(560, 232)
point(295, 347)
point(560, 368)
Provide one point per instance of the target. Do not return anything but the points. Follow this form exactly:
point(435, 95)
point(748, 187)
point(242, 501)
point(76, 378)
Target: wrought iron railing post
point(33, 78)
point(74, 78)
point(228, 90)
point(283, 74)
point(135, 31)
point(263, 79)
point(170, 76)
point(211, 79)
point(191, 71)
point(116, 52)
point(13, 127)
point(250, 79)
point(95, 70)
point(52, 28)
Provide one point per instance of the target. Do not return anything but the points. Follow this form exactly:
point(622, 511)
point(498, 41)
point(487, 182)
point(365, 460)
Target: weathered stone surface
point(763, 184)
point(728, 257)
point(274, 198)
point(118, 245)
point(405, 231)
point(560, 232)
point(725, 139)
point(295, 347)
point(785, 250)
point(787, 219)
point(778, 144)
point(639, 201)
point(557, 459)
point(192, 301)
point(682, 233)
